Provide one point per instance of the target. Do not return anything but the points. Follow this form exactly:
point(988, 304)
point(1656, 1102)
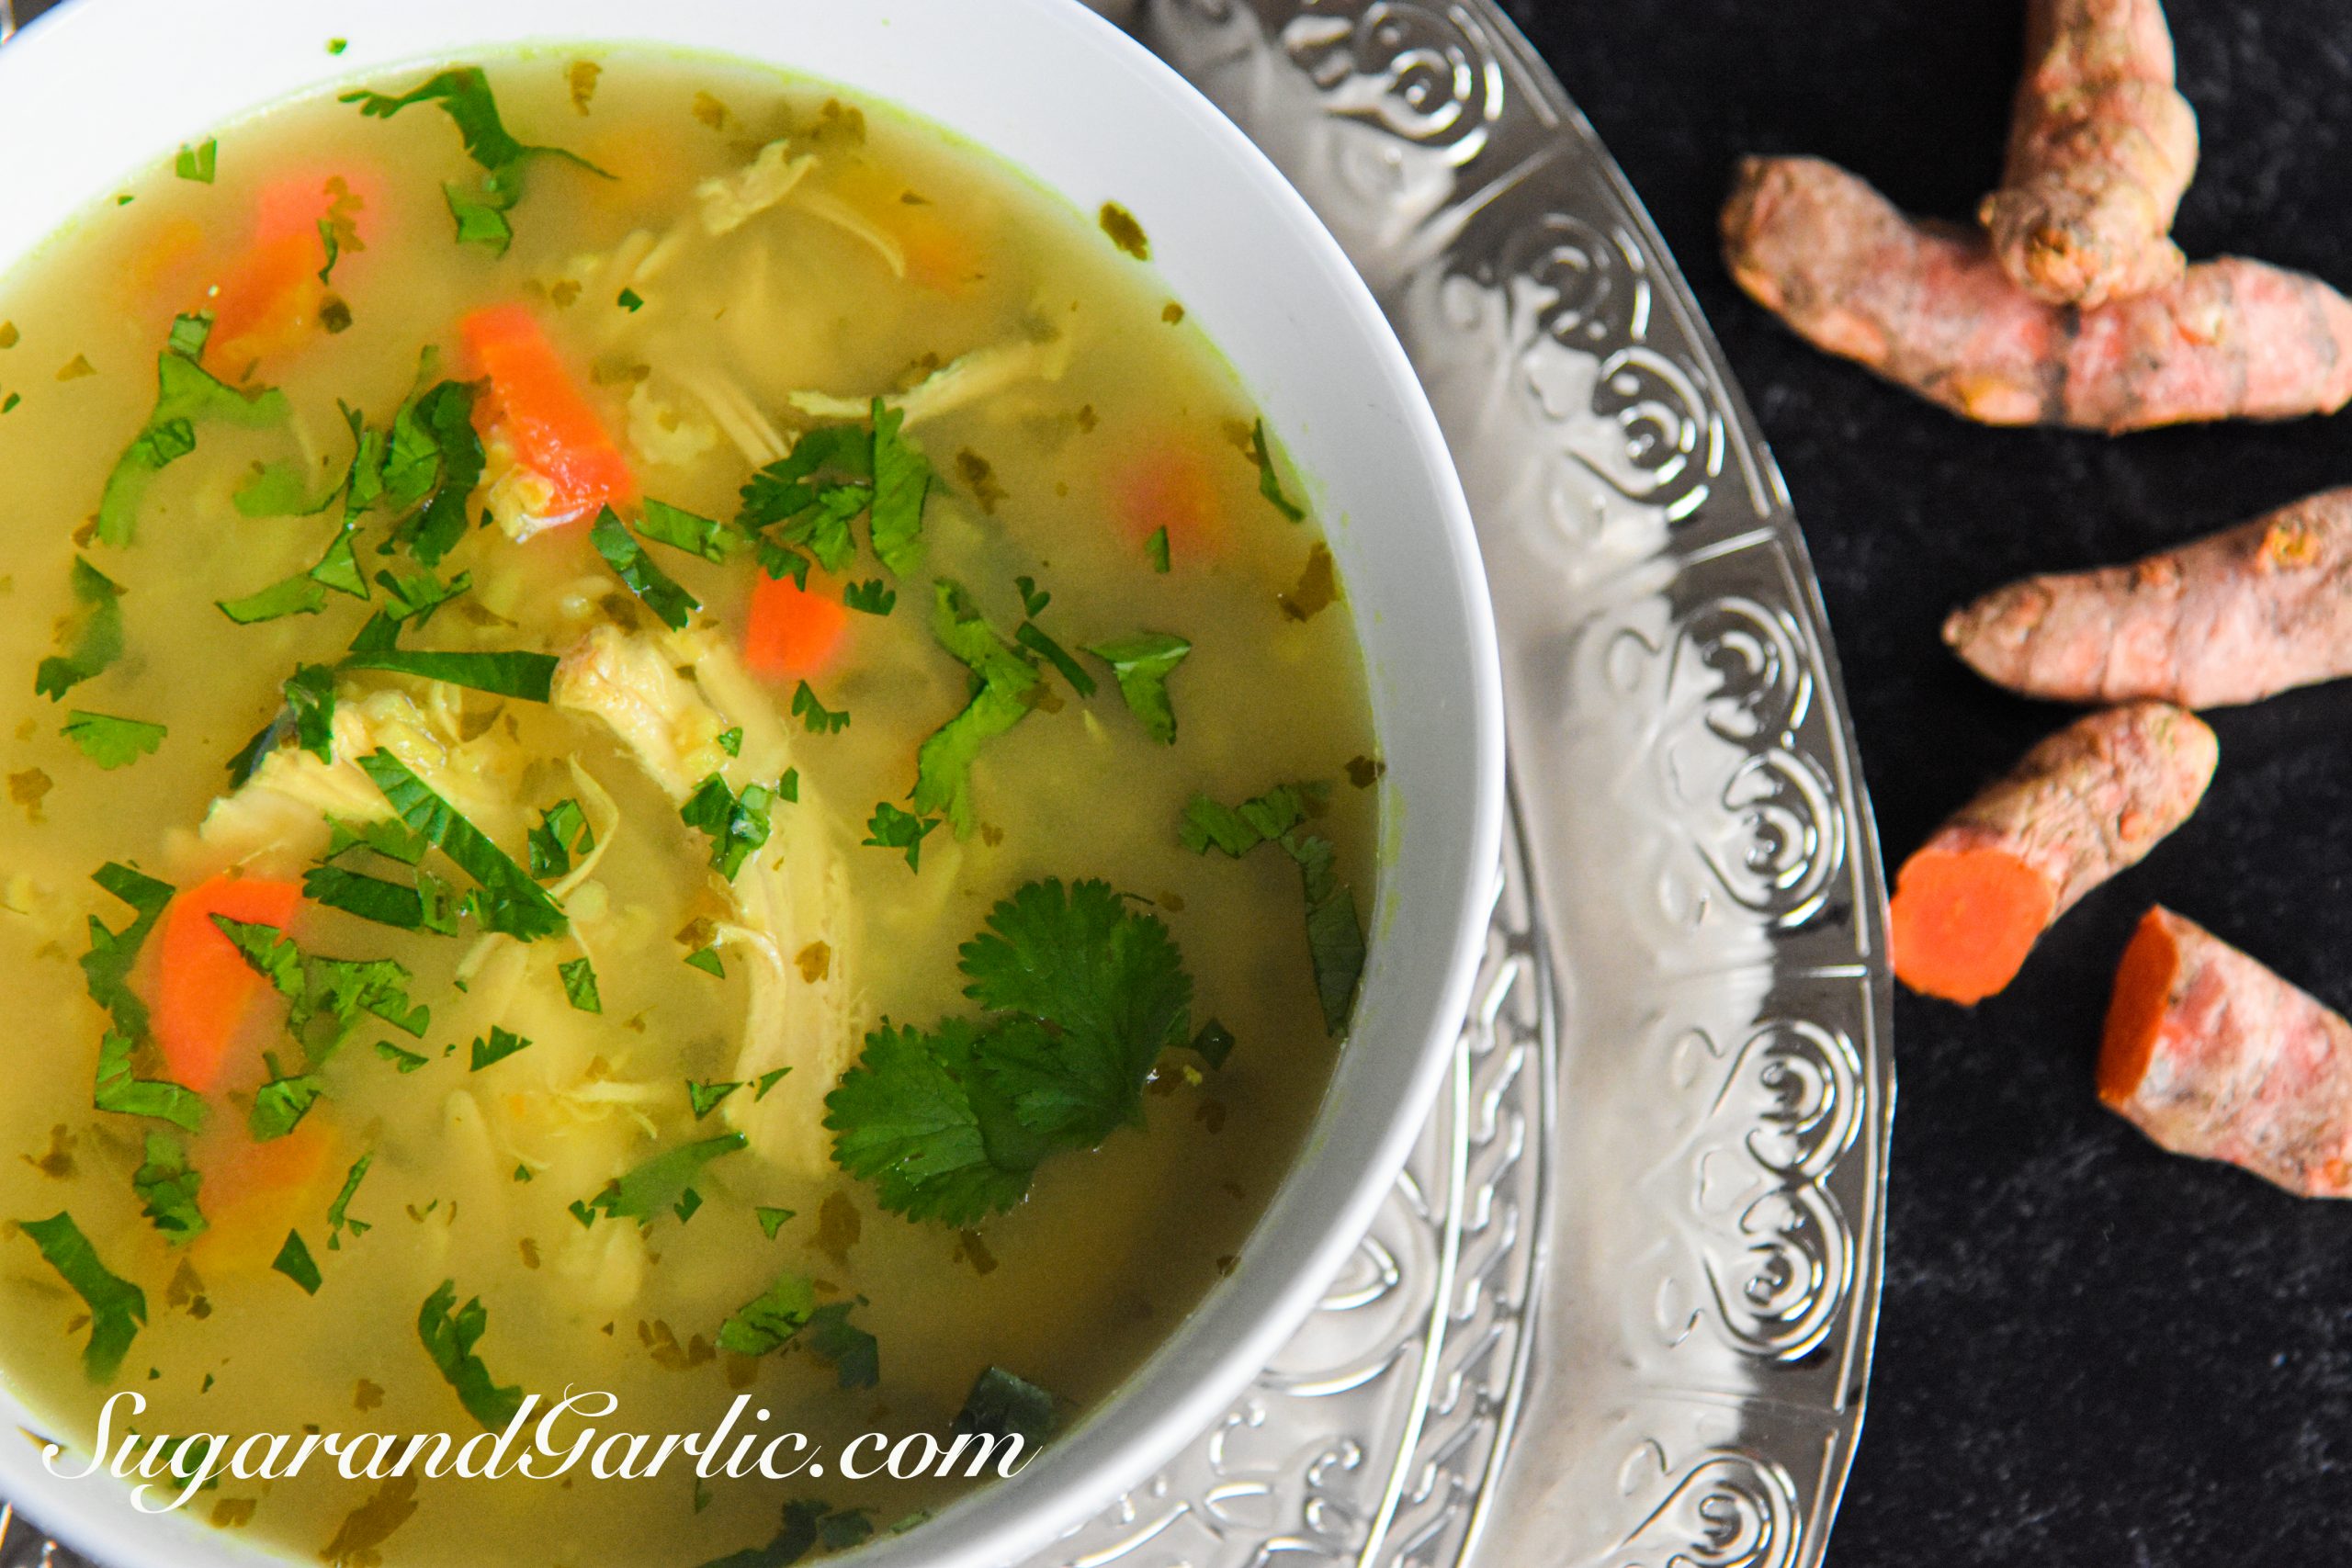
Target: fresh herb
point(809, 1526)
point(855, 1354)
point(480, 206)
point(430, 905)
point(580, 985)
point(706, 537)
point(767, 1082)
point(185, 393)
point(434, 459)
point(661, 594)
point(736, 824)
point(891, 828)
point(529, 676)
point(110, 741)
point(630, 300)
point(665, 1181)
point(769, 1320)
point(392, 839)
point(118, 1307)
point(339, 229)
point(705, 1096)
point(294, 1262)
point(305, 716)
point(814, 715)
point(1214, 1043)
point(772, 1220)
point(118, 1091)
point(105, 968)
point(402, 1061)
point(1033, 599)
point(1270, 483)
point(168, 1186)
point(788, 788)
point(449, 1338)
point(1003, 1405)
point(562, 831)
point(300, 595)
point(834, 474)
point(324, 996)
point(507, 900)
point(200, 162)
point(1033, 636)
point(1081, 992)
point(901, 483)
point(91, 637)
point(706, 959)
point(339, 1218)
point(1334, 931)
point(1142, 664)
point(414, 596)
point(1006, 688)
point(873, 596)
point(501, 1045)
point(280, 1104)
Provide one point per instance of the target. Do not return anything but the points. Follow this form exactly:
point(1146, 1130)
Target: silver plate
point(1618, 1313)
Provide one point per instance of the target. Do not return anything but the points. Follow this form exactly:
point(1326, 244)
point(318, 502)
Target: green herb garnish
point(92, 636)
point(855, 1354)
point(706, 537)
point(435, 458)
point(110, 741)
point(339, 1218)
point(324, 996)
point(661, 592)
point(770, 1320)
point(294, 1262)
point(1006, 689)
point(580, 985)
point(185, 393)
point(280, 1104)
point(705, 1096)
point(772, 1220)
point(814, 715)
point(873, 597)
point(1334, 932)
point(506, 899)
point(765, 1082)
point(891, 828)
point(501, 1045)
point(1003, 1405)
point(528, 676)
point(449, 1338)
point(1270, 484)
point(117, 1307)
point(402, 1061)
point(901, 483)
point(1154, 549)
point(1142, 664)
point(168, 1186)
point(200, 162)
point(480, 207)
point(736, 824)
point(665, 1181)
point(430, 905)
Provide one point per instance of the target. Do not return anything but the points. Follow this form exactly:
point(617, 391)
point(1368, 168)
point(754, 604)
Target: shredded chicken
point(730, 201)
point(983, 373)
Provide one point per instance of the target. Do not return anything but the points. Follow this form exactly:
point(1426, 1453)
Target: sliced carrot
point(793, 631)
point(253, 1193)
point(205, 990)
point(268, 302)
point(2143, 984)
point(1963, 921)
point(536, 403)
point(939, 254)
point(1172, 483)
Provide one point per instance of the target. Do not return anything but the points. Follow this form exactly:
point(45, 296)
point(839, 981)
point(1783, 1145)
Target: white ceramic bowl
point(102, 87)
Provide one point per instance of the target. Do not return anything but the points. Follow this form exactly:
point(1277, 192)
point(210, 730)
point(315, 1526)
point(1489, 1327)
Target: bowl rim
point(1208, 1359)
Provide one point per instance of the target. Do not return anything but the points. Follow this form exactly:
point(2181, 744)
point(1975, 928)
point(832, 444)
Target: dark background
point(2092, 1352)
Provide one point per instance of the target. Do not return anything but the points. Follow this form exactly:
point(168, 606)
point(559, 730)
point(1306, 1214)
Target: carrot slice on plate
point(204, 988)
point(537, 406)
point(793, 631)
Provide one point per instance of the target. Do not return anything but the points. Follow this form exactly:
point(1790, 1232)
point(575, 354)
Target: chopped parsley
point(185, 393)
point(480, 206)
point(735, 824)
point(506, 899)
point(770, 1320)
point(1031, 636)
point(200, 162)
point(1270, 483)
point(1003, 1405)
point(1006, 687)
point(110, 741)
point(91, 637)
point(501, 1045)
point(324, 996)
point(118, 1307)
point(1214, 1043)
point(873, 597)
point(168, 1186)
point(450, 1337)
point(1081, 992)
point(809, 1526)
point(772, 1219)
point(294, 1262)
point(1334, 932)
point(339, 1218)
point(765, 1082)
point(280, 1104)
point(665, 1181)
point(706, 537)
point(528, 676)
point(661, 592)
point(814, 715)
point(891, 828)
point(1142, 664)
point(706, 1095)
point(580, 985)
point(432, 464)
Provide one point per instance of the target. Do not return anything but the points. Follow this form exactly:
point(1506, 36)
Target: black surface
point(2092, 1352)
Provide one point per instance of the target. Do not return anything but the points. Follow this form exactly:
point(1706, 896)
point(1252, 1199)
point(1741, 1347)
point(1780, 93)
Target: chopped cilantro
point(324, 996)
point(706, 959)
point(300, 595)
point(105, 968)
point(736, 824)
point(873, 596)
point(662, 1182)
point(1154, 549)
point(1142, 664)
point(706, 1095)
point(562, 831)
point(1003, 1405)
point(429, 905)
point(392, 839)
point(814, 715)
point(528, 676)
point(523, 1173)
point(404, 1061)
point(117, 1307)
point(95, 630)
point(1214, 1043)
point(1031, 636)
point(1334, 931)
point(281, 490)
point(661, 594)
point(200, 162)
point(464, 95)
point(126, 1095)
point(434, 459)
point(449, 1338)
point(1006, 687)
point(506, 899)
point(901, 482)
point(769, 1320)
point(891, 828)
point(1270, 483)
point(767, 1082)
point(706, 537)
point(280, 1104)
point(855, 1354)
point(1033, 599)
point(339, 1218)
point(414, 596)
point(809, 1525)
point(580, 985)
point(294, 1262)
point(168, 1186)
point(306, 717)
point(184, 393)
point(772, 1219)
point(788, 788)
point(110, 741)
point(731, 742)
point(630, 300)
point(339, 229)
point(501, 1045)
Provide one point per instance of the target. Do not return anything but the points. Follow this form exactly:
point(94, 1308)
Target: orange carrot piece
point(1170, 483)
point(269, 301)
point(2210, 1053)
point(792, 631)
point(204, 988)
point(535, 402)
point(2232, 618)
point(2083, 804)
point(253, 1193)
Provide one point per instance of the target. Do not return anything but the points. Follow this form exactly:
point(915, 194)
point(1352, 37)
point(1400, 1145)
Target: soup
point(721, 760)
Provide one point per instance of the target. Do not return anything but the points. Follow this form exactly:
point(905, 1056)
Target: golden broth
point(1102, 412)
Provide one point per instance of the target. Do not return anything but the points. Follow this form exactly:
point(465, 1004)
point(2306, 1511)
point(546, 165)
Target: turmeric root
point(2084, 804)
point(2232, 618)
point(2212, 1054)
point(2101, 150)
point(1926, 306)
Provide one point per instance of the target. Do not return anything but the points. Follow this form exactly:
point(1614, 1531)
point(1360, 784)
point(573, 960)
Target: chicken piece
point(730, 201)
point(791, 899)
point(983, 373)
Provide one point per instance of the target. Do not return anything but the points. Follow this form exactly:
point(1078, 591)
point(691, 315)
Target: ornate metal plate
point(1618, 1313)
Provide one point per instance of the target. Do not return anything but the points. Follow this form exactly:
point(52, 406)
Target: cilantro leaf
point(280, 1104)
point(339, 1218)
point(529, 676)
point(705, 1096)
point(1270, 484)
point(184, 393)
point(305, 716)
point(463, 94)
point(1142, 664)
point(105, 968)
point(294, 1262)
point(428, 906)
point(1155, 549)
point(168, 1186)
point(830, 457)
point(769, 1320)
point(126, 1095)
point(563, 830)
point(706, 959)
point(891, 828)
point(855, 1354)
point(1334, 929)
point(199, 163)
point(449, 1338)
point(110, 741)
point(580, 985)
point(1006, 689)
point(435, 457)
point(402, 1061)
point(661, 592)
point(907, 1123)
point(735, 824)
point(324, 996)
point(901, 482)
point(300, 595)
point(392, 840)
point(767, 1082)
point(706, 537)
point(772, 1219)
point(280, 490)
point(501, 1045)
point(414, 596)
point(95, 630)
point(872, 597)
point(814, 715)
point(1002, 1405)
point(507, 900)
point(117, 1307)
point(662, 1182)
point(1031, 636)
